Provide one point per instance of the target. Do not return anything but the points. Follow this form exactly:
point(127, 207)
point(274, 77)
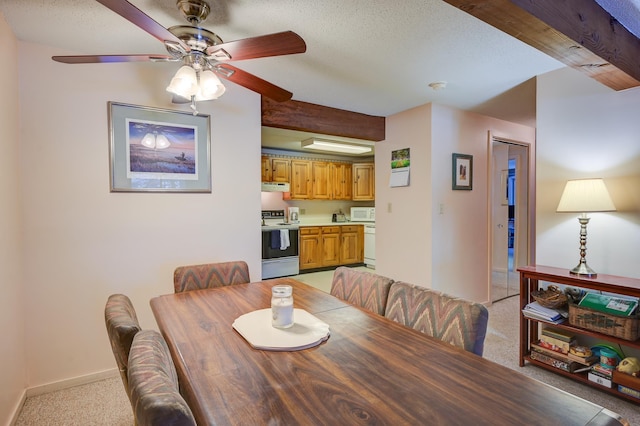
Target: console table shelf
point(530, 276)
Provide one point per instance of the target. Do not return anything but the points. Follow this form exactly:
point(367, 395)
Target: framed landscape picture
point(462, 172)
point(157, 150)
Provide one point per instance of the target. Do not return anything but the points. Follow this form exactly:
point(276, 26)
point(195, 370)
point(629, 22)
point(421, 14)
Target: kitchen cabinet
point(321, 189)
point(363, 182)
point(531, 276)
point(301, 179)
point(316, 180)
point(341, 181)
point(352, 244)
point(326, 246)
point(275, 169)
point(330, 245)
point(310, 254)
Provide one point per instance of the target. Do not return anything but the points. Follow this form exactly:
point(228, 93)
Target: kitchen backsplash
point(311, 211)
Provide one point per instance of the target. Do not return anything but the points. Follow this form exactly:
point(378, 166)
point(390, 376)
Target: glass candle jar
point(282, 306)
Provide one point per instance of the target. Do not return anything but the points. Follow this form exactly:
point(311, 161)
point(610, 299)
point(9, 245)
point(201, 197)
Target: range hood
point(275, 187)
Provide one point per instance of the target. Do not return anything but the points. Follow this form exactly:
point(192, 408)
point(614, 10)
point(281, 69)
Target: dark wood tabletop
point(370, 371)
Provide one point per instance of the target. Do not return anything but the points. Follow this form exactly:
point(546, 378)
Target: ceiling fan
point(204, 55)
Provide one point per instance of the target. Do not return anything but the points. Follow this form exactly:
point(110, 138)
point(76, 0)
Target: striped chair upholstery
point(122, 325)
point(210, 275)
point(155, 396)
point(447, 318)
point(361, 288)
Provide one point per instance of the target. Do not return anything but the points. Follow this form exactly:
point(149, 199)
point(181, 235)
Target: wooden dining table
point(370, 370)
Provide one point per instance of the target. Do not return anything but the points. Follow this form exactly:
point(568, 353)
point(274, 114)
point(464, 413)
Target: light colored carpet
point(105, 402)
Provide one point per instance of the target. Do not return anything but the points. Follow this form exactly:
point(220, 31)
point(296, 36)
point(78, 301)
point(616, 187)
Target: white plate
point(307, 331)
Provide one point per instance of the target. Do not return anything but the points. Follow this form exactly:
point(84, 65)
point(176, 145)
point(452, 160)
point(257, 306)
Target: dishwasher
point(370, 245)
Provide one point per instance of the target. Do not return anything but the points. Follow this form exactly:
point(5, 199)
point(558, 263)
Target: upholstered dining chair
point(155, 396)
point(122, 325)
point(210, 275)
point(450, 319)
point(361, 288)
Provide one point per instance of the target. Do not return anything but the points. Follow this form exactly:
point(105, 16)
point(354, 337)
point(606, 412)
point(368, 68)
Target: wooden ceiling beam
point(578, 33)
point(307, 117)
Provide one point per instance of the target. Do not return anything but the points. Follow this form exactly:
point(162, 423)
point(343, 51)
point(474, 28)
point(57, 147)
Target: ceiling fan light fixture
point(334, 146)
point(210, 86)
point(184, 83)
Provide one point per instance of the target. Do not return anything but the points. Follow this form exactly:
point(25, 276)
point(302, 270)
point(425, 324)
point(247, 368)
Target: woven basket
point(552, 297)
point(624, 327)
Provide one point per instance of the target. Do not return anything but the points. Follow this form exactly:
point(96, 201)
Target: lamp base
point(583, 270)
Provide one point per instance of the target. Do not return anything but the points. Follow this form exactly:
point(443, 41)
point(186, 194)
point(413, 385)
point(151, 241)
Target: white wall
point(403, 214)
point(587, 130)
point(83, 243)
point(448, 251)
point(13, 375)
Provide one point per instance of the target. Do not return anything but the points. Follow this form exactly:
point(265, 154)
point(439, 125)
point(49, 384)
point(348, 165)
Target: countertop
point(329, 223)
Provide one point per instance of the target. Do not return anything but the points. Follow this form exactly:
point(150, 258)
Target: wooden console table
point(531, 276)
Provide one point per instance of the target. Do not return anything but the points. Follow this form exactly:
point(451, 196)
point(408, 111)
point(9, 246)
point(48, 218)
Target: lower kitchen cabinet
point(325, 246)
point(330, 245)
point(310, 247)
point(352, 244)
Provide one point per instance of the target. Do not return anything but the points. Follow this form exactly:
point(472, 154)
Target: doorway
point(509, 215)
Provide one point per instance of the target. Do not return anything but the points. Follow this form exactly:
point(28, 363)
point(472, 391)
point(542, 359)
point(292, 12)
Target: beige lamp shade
point(585, 195)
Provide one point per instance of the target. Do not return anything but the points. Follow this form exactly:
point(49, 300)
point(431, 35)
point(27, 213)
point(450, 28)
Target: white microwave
point(363, 214)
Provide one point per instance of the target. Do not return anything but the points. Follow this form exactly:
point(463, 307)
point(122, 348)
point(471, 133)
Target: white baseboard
point(16, 412)
point(69, 383)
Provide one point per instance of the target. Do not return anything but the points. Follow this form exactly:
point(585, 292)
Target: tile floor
point(322, 280)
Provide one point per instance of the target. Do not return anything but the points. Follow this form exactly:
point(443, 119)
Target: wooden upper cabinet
point(341, 181)
point(321, 180)
point(321, 187)
point(265, 169)
point(280, 169)
point(301, 179)
point(275, 169)
point(364, 182)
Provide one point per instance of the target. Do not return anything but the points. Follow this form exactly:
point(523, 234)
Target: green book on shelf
point(609, 304)
point(563, 335)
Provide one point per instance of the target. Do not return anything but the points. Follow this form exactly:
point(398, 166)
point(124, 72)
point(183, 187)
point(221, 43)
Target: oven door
point(271, 244)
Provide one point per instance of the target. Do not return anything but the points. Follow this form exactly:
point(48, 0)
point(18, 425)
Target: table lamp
point(583, 196)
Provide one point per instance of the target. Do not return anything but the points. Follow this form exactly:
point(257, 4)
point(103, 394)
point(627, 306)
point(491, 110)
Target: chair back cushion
point(210, 275)
point(361, 288)
point(155, 396)
point(450, 319)
point(122, 325)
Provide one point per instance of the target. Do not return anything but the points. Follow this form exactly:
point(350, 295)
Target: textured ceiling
point(371, 56)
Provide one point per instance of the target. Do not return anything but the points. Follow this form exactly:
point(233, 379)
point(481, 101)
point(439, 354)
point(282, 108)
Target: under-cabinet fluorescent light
point(333, 146)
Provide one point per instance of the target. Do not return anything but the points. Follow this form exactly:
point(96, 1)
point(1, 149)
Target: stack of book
point(535, 310)
point(601, 375)
point(554, 348)
point(557, 340)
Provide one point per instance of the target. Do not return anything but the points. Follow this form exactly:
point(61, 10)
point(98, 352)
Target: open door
point(509, 204)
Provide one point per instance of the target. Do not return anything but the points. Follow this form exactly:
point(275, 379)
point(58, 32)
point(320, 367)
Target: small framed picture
point(462, 176)
point(157, 150)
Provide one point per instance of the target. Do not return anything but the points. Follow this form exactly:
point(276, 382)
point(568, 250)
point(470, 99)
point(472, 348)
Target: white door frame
point(528, 212)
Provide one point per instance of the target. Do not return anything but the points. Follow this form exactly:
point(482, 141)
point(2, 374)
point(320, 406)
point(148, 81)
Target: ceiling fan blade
point(252, 82)
point(284, 43)
point(142, 20)
point(92, 59)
